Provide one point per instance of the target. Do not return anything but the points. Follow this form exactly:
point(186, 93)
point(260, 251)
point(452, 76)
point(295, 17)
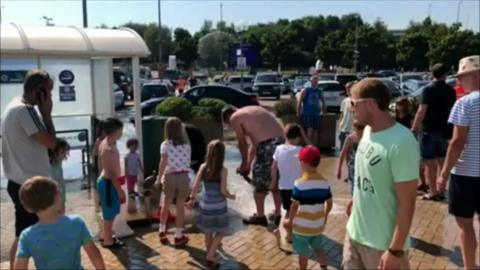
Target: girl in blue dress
point(213, 218)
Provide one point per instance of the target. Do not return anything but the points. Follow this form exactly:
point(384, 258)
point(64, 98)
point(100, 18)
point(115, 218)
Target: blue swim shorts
point(109, 199)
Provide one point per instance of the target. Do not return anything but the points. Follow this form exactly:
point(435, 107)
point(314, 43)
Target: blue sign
point(66, 77)
point(250, 52)
point(12, 76)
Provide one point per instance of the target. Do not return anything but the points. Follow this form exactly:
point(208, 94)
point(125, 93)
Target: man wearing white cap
point(462, 162)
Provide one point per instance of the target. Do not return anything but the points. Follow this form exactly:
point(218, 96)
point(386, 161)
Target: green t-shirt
point(383, 158)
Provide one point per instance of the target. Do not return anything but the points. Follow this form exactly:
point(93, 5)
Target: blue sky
point(191, 14)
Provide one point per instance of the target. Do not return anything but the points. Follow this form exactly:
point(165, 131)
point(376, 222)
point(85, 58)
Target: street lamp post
point(458, 10)
point(84, 12)
point(159, 34)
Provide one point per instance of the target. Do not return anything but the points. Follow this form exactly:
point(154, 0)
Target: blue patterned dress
point(213, 216)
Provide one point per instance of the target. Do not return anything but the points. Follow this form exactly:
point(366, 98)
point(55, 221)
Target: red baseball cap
point(309, 153)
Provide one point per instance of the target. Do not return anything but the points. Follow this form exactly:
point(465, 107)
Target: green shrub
point(209, 109)
point(175, 106)
point(285, 107)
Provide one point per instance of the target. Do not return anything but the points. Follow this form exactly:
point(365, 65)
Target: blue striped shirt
point(311, 192)
point(466, 113)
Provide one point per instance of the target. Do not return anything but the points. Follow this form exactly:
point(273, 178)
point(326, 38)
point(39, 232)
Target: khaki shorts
point(176, 186)
point(358, 256)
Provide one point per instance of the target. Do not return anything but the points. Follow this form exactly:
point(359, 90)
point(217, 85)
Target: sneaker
point(163, 238)
point(182, 240)
point(255, 220)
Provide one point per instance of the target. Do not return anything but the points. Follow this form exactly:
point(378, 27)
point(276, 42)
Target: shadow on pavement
point(455, 256)
point(135, 254)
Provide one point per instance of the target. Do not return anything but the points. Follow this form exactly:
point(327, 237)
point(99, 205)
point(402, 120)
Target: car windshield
point(300, 82)
point(158, 90)
point(412, 77)
point(267, 78)
point(330, 87)
point(326, 77)
point(346, 78)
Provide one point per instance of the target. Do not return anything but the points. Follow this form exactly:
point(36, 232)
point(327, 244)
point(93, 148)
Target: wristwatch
point(396, 253)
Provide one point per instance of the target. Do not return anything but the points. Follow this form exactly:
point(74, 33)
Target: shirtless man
point(265, 134)
point(109, 190)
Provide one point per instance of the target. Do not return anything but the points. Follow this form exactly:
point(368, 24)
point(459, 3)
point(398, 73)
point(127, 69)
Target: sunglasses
point(355, 102)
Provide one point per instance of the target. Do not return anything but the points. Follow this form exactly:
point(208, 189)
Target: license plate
point(266, 93)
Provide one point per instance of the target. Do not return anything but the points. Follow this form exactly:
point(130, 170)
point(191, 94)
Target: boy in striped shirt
point(311, 204)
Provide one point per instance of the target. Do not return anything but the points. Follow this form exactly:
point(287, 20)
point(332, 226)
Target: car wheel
point(277, 97)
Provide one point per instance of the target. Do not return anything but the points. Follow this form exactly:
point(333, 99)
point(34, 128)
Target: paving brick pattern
point(434, 239)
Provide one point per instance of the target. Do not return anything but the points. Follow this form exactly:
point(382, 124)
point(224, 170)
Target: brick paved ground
point(434, 238)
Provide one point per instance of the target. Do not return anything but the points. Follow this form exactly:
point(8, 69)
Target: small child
point(133, 165)
point(97, 166)
point(348, 153)
point(57, 156)
point(173, 169)
point(311, 204)
point(110, 192)
point(402, 114)
point(286, 163)
point(213, 218)
point(55, 241)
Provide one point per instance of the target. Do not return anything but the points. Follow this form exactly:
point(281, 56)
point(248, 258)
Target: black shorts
point(23, 219)
point(286, 195)
point(464, 200)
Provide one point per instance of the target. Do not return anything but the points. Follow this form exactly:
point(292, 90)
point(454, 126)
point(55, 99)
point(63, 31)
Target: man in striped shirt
point(463, 158)
point(311, 203)
point(25, 140)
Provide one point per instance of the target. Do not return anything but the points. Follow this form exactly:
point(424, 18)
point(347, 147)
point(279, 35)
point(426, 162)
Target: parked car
point(230, 95)
point(148, 106)
point(121, 79)
point(334, 93)
point(145, 74)
point(154, 89)
point(412, 85)
point(119, 96)
point(268, 84)
point(201, 79)
point(343, 79)
point(218, 79)
point(387, 73)
point(392, 86)
point(287, 85)
point(236, 82)
point(298, 83)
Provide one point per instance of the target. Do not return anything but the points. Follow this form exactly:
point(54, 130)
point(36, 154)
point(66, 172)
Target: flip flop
point(116, 244)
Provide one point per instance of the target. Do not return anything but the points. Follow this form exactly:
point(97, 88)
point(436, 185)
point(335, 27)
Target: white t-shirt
point(23, 157)
point(179, 156)
point(466, 113)
point(286, 156)
point(347, 123)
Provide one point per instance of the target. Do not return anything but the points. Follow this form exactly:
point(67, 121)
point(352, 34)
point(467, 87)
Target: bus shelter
point(80, 60)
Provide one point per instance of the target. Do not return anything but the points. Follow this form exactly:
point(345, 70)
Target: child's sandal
point(116, 244)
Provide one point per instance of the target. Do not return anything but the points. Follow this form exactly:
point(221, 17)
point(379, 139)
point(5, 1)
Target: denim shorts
point(433, 145)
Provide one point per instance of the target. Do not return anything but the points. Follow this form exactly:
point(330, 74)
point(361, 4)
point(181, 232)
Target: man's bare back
point(256, 123)
point(110, 160)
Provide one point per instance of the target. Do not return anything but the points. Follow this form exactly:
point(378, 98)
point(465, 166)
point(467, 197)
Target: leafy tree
point(138, 27)
point(213, 48)
point(151, 37)
point(277, 45)
point(184, 46)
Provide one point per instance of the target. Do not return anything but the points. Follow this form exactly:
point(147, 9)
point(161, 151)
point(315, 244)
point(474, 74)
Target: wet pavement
point(434, 232)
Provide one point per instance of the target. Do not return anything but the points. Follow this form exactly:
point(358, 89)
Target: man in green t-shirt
point(386, 172)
